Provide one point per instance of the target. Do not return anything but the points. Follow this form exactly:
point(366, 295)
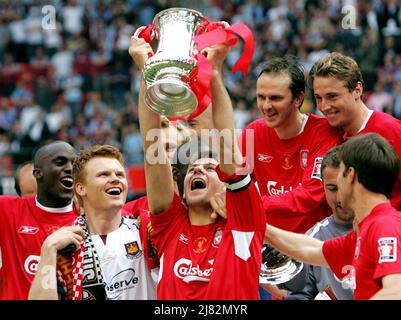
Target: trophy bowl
point(169, 71)
point(277, 267)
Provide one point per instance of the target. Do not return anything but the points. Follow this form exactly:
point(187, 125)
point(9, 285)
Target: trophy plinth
point(276, 267)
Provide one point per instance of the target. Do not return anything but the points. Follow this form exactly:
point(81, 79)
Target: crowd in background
point(77, 82)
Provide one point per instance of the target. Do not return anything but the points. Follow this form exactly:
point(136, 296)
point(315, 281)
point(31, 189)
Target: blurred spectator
point(59, 116)
point(62, 62)
point(9, 73)
point(72, 85)
point(33, 30)
point(379, 100)
point(73, 14)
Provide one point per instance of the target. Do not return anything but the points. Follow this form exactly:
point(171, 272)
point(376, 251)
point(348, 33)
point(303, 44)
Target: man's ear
point(80, 189)
point(176, 174)
point(299, 99)
point(37, 173)
point(358, 90)
point(352, 176)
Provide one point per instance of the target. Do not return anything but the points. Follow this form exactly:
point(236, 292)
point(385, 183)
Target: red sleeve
point(339, 253)
point(308, 198)
point(384, 240)
point(133, 207)
point(247, 136)
point(165, 224)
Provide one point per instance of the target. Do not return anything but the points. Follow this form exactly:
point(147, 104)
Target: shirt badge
point(387, 249)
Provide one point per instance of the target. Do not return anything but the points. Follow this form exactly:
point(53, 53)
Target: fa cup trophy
point(168, 72)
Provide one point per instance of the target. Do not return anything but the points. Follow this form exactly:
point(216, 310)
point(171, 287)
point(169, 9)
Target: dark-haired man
point(338, 224)
point(288, 148)
point(203, 256)
point(367, 258)
point(26, 222)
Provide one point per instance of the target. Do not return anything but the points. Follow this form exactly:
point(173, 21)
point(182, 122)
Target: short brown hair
point(339, 66)
point(87, 154)
point(375, 161)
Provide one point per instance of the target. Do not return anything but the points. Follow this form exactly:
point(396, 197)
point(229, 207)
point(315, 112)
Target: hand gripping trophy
point(178, 75)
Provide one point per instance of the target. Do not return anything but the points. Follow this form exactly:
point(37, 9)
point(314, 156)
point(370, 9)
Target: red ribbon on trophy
point(209, 34)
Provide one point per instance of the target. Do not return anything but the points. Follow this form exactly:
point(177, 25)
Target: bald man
point(24, 182)
point(27, 221)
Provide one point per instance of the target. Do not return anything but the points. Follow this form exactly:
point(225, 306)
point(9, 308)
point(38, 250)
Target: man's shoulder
point(316, 122)
point(318, 231)
point(384, 124)
point(318, 131)
point(258, 124)
point(14, 202)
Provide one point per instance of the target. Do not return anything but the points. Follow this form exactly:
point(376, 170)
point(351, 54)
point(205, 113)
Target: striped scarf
point(70, 270)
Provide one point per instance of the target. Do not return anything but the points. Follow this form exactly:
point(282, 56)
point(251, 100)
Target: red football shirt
point(389, 128)
point(133, 207)
point(372, 255)
point(23, 228)
point(216, 261)
point(288, 172)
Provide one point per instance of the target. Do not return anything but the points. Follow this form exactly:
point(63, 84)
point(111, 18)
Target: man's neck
point(52, 203)
point(200, 215)
point(359, 118)
point(364, 206)
point(102, 222)
point(292, 127)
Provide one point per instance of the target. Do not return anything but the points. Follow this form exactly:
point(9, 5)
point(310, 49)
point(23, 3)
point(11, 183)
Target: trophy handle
point(146, 32)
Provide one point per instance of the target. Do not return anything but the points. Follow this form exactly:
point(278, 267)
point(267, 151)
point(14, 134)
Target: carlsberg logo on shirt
point(184, 270)
point(273, 190)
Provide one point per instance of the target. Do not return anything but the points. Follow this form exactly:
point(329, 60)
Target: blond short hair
point(84, 156)
point(338, 66)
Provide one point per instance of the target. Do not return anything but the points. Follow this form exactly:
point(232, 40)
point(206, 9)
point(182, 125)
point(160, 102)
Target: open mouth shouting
point(198, 183)
point(67, 182)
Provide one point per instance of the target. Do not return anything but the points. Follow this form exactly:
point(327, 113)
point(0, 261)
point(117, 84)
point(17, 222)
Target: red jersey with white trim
point(365, 259)
point(288, 172)
point(390, 129)
point(23, 228)
point(216, 261)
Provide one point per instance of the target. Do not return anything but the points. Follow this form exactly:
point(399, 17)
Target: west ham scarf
point(79, 273)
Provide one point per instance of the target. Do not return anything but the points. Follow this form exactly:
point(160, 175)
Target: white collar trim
point(363, 126)
point(304, 121)
point(67, 208)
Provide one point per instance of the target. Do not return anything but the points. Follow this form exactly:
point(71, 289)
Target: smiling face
point(53, 173)
point(104, 185)
point(275, 100)
point(201, 182)
point(336, 102)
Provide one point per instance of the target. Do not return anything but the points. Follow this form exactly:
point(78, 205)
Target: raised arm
point(223, 114)
point(159, 178)
point(298, 246)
